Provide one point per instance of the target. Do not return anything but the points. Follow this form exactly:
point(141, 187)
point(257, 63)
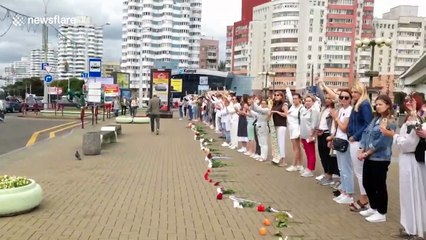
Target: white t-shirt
point(344, 113)
point(323, 120)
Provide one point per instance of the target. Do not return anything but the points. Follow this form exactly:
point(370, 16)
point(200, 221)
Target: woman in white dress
point(411, 175)
point(293, 121)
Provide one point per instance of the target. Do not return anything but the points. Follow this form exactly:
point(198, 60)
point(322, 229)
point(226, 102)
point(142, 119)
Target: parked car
point(13, 105)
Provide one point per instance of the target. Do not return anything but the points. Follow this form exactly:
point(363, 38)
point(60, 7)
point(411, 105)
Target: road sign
point(84, 75)
point(48, 78)
point(43, 66)
point(47, 68)
point(95, 92)
point(95, 67)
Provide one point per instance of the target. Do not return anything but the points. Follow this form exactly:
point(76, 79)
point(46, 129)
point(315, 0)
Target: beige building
point(109, 67)
point(209, 53)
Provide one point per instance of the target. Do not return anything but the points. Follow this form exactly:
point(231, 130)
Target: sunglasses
point(278, 95)
point(344, 97)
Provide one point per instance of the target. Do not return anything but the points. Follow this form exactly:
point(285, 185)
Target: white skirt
point(294, 131)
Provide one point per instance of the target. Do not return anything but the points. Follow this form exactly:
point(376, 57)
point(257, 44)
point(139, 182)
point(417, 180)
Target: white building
point(281, 41)
point(82, 40)
point(159, 33)
point(407, 31)
point(38, 57)
point(21, 69)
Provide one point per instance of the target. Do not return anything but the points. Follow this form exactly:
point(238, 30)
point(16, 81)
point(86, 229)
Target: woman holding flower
point(412, 173)
point(376, 151)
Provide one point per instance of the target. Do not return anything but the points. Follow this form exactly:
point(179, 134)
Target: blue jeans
point(190, 113)
point(344, 163)
point(116, 112)
point(227, 133)
point(181, 112)
point(195, 112)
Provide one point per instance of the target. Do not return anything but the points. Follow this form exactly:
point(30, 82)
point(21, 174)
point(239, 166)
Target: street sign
point(84, 75)
point(48, 78)
point(95, 69)
point(43, 66)
point(95, 92)
point(47, 68)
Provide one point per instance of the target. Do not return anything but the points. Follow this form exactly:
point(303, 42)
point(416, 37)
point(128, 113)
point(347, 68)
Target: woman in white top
point(412, 186)
point(344, 160)
point(234, 122)
point(293, 122)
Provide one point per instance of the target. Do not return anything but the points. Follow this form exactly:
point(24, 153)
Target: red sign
point(111, 89)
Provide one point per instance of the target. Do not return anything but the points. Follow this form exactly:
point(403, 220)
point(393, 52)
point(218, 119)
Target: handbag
point(420, 151)
point(340, 145)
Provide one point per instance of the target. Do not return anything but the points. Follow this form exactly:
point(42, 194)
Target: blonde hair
point(362, 90)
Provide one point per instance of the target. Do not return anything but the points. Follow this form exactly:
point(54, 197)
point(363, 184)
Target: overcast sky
point(216, 15)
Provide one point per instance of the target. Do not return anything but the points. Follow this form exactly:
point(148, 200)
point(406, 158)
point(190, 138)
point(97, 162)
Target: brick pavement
point(152, 187)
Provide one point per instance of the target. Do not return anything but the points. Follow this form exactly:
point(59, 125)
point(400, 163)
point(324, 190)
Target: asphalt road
point(16, 131)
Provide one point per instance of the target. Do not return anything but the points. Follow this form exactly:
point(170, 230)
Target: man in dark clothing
point(154, 106)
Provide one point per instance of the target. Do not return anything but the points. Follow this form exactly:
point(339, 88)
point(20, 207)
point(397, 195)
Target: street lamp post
point(364, 43)
point(265, 88)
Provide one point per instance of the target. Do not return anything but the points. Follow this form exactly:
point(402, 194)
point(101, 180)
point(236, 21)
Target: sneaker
point(225, 144)
point(242, 150)
point(345, 200)
point(338, 197)
point(307, 173)
point(320, 177)
point(248, 153)
point(158, 131)
point(376, 218)
point(232, 147)
point(180, 119)
point(335, 176)
point(336, 186)
point(327, 182)
point(292, 168)
point(367, 213)
point(300, 168)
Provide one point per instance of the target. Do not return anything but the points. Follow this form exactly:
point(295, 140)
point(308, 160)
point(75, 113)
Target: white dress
point(293, 121)
point(411, 184)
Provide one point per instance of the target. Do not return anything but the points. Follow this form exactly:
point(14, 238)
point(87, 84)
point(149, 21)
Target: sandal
point(358, 206)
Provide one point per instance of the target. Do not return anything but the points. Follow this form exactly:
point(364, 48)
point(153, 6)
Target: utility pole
point(45, 49)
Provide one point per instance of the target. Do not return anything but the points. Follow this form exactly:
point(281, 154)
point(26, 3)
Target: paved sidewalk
point(152, 187)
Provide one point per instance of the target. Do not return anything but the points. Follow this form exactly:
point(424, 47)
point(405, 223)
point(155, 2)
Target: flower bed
point(18, 195)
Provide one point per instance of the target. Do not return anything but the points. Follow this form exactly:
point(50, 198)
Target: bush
point(7, 182)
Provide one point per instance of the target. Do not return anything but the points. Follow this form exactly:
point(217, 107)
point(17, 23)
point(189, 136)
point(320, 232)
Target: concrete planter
point(19, 200)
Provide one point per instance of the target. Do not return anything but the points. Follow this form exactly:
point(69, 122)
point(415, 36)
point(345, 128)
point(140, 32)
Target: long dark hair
point(388, 101)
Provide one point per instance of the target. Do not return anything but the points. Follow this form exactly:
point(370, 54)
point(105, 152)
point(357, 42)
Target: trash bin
point(92, 143)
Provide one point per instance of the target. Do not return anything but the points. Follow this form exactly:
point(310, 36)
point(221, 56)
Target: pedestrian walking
point(116, 106)
point(154, 105)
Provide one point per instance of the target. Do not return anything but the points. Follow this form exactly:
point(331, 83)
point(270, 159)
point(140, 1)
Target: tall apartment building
point(239, 32)
point(407, 31)
point(109, 67)
point(21, 69)
point(298, 49)
point(38, 57)
point(82, 40)
point(209, 54)
point(228, 49)
point(156, 32)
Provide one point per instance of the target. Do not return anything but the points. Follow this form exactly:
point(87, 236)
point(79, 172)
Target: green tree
point(222, 66)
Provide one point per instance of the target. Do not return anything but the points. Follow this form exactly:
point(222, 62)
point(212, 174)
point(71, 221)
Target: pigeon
point(77, 155)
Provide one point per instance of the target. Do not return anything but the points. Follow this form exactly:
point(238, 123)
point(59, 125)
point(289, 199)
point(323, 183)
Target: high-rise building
point(284, 42)
point(157, 33)
point(38, 57)
point(407, 31)
point(109, 67)
point(239, 56)
point(21, 69)
point(301, 40)
point(209, 53)
point(228, 56)
point(83, 40)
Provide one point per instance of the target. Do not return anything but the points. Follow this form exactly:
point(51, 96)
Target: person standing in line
point(226, 121)
point(263, 113)
point(2, 111)
point(279, 113)
point(412, 188)
point(308, 125)
point(242, 124)
point(153, 111)
point(251, 117)
point(234, 122)
point(344, 162)
point(293, 119)
point(376, 152)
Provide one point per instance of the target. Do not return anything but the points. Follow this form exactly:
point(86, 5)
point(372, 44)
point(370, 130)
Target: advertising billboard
point(176, 85)
point(122, 79)
point(160, 84)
